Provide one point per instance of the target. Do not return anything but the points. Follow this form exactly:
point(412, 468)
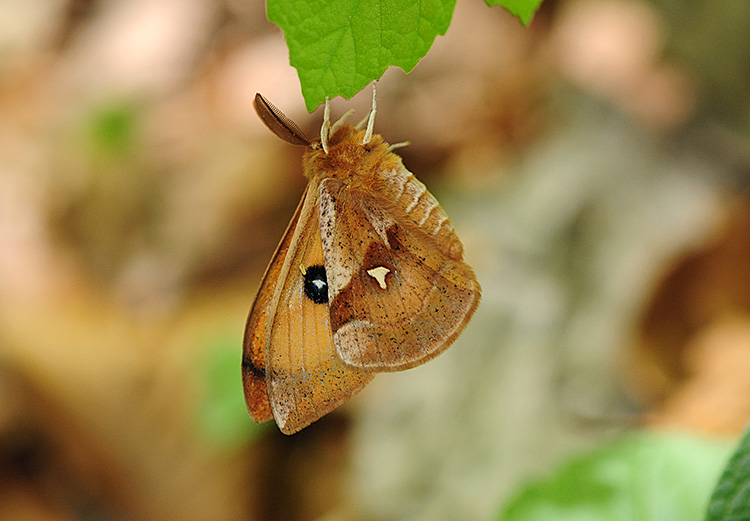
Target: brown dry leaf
point(692, 360)
point(715, 398)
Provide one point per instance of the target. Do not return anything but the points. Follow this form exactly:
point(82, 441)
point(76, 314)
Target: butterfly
point(369, 277)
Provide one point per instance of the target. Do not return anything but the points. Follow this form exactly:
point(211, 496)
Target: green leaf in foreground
point(522, 9)
point(731, 499)
point(645, 477)
point(339, 46)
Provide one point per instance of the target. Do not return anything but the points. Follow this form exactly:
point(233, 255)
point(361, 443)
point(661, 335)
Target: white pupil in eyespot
point(316, 284)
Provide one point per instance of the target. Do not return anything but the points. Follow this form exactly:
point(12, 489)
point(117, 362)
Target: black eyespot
point(316, 284)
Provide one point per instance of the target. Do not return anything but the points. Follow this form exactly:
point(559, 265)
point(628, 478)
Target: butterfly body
point(369, 277)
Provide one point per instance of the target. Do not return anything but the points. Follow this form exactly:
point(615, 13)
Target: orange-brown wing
point(305, 377)
point(398, 296)
point(254, 344)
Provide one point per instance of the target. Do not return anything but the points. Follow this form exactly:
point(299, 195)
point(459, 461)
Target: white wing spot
point(378, 273)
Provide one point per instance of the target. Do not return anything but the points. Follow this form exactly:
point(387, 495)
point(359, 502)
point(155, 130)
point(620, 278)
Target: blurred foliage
point(712, 38)
point(108, 191)
point(731, 498)
point(113, 130)
point(222, 414)
point(645, 477)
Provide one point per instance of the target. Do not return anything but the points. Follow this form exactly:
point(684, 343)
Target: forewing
point(254, 344)
point(306, 379)
point(398, 296)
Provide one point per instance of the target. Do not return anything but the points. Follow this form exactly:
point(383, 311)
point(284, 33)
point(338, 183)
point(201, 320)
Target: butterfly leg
point(341, 121)
point(370, 118)
point(325, 129)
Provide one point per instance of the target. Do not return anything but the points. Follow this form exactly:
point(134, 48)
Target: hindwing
point(397, 297)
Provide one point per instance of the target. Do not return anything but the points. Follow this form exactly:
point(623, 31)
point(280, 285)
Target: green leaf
point(523, 9)
point(731, 499)
point(645, 477)
point(339, 46)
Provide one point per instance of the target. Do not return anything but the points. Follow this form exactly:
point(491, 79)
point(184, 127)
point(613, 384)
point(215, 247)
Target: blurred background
point(595, 165)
